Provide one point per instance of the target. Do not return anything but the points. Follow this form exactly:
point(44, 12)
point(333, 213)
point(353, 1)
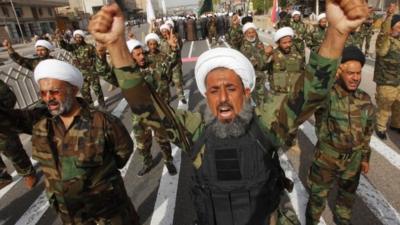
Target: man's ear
point(247, 92)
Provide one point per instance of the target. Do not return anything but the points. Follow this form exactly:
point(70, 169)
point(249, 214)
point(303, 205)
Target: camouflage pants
point(143, 140)
point(11, 147)
point(323, 172)
point(367, 39)
point(388, 104)
point(259, 90)
point(92, 81)
point(177, 79)
point(212, 34)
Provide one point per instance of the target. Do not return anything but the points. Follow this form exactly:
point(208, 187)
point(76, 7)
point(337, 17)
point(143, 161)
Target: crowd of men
point(237, 177)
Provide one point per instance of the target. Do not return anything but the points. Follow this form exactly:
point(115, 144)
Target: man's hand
point(172, 41)
point(6, 44)
point(346, 15)
point(364, 167)
point(343, 17)
point(107, 26)
point(268, 50)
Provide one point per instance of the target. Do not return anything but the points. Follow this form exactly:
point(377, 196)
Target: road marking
point(191, 49)
point(16, 179)
point(41, 204)
point(208, 44)
point(226, 43)
point(191, 59)
point(299, 196)
point(384, 150)
point(374, 199)
point(164, 207)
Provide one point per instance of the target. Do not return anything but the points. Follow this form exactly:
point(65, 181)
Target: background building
point(35, 17)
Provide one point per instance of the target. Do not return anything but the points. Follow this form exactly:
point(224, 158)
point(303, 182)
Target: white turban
point(132, 44)
point(170, 22)
point(295, 12)
point(44, 44)
point(230, 14)
point(248, 26)
point(283, 32)
point(165, 26)
point(226, 58)
point(152, 36)
point(79, 32)
point(321, 16)
point(60, 70)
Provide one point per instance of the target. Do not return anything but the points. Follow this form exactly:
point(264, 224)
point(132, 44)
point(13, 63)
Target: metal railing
point(22, 83)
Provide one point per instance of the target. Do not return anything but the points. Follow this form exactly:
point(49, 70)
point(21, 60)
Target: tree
point(262, 6)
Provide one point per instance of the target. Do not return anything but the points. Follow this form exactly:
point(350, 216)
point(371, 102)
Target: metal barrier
point(22, 83)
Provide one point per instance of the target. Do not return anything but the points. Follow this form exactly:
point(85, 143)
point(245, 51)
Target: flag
point(207, 6)
point(275, 12)
point(150, 12)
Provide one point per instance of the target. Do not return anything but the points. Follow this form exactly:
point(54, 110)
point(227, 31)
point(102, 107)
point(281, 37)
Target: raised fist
point(107, 26)
point(346, 15)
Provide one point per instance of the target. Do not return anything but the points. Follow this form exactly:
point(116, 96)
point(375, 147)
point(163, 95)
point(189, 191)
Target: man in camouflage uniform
point(176, 71)
point(255, 51)
point(156, 75)
point(386, 76)
point(344, 125)
point(42, 48)
point(316, 35)
point(286, 67)
point(367, 31)
point(355, 39)
point(300, 31)
point(101, 66)
point(234, 37)
point(212, 29)
point(11, 147)
point(80, 149)
point(227, 78)
point(84, 56)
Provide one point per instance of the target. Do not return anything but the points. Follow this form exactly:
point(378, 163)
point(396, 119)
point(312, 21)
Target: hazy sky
point(172, 3)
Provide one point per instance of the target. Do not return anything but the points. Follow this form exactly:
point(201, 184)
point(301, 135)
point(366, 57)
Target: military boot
point(171, 168)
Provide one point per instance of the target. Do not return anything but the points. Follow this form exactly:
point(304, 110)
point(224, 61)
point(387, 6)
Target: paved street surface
point(164, 200)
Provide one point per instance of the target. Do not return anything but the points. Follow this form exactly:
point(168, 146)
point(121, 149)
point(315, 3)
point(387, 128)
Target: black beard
point(234, 129)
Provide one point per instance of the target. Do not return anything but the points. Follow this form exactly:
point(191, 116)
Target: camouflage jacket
point(286, 69)
point(80, 163)
point(300, 31)
point(104, 70)
point(212, 25)
point(234, 37)
point(387, 64)
point(7, 97)
point(278, 116)
point(29, 63)
point(346, 121)
point(355, 38)
point(83, 55)
point(366, 28)
point(166, 49)
point(159, 67)
point(315, 38)
point(255, 53)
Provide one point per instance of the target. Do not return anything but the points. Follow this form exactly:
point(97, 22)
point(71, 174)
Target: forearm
point(119, 53)
point(333, 44)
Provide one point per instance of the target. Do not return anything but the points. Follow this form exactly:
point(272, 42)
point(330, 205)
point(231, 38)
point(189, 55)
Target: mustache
point(225, 104)
point(52, 101)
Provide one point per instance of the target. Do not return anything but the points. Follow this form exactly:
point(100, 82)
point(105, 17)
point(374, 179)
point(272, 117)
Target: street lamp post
point(16, 17)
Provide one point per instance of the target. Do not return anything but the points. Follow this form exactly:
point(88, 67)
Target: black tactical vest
point(238, 180)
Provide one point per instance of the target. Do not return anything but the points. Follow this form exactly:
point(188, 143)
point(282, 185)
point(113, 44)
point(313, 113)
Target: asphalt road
point(164, 200)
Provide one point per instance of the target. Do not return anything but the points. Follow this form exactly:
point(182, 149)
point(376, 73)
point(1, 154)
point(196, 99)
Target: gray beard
point(234, 129)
